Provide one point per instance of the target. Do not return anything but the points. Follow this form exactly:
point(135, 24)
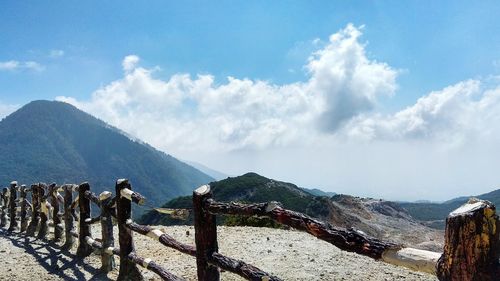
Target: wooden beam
point(347, 240)
point(68, 217)
point(35, 211)
point(58, 227)
point(83, 249)
point(128, 269)
point(205, 235)
point(12, 206)
point(162, 237)
point(415, 259)
point(24, 204)
point(108, 261)
point(5, 201)
point(44, 212)
point(241, 268)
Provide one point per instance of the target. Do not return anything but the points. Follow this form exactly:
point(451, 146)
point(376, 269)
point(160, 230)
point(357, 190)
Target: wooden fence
point(471, 252)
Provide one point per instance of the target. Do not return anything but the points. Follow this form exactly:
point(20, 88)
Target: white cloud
point(196, 113)
point(56, 53)
point(323, 132)
point(130, 62)
point(13, 65)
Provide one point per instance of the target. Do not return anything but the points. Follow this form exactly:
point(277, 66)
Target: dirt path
point(290, 255)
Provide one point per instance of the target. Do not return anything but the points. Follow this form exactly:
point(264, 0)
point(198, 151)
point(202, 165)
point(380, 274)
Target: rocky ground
point(290, 255)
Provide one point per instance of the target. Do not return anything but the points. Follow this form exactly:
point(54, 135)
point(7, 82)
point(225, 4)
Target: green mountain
point(319, 192)
point(48, 141)
point(434, 214)
point(248, 188)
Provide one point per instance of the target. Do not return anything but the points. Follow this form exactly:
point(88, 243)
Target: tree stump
point(12, 206)
point(128, 269)
point(472, 245)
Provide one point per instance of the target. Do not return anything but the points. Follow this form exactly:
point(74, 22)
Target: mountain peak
point(54, 141)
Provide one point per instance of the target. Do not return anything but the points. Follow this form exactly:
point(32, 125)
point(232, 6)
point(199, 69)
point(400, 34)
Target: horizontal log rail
point(347, 240)
point(144, 262)
point(241, 268)
point(162, 237)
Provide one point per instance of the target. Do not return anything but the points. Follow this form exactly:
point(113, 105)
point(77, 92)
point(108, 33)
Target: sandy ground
point(290, 255)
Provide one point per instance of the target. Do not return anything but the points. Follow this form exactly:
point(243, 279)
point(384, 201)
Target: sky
point(387, 99)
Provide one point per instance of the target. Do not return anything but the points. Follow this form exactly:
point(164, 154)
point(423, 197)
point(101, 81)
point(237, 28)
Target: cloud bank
point(322, 132)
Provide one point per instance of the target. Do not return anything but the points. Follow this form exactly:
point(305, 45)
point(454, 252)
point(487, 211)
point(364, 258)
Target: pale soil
point(290, 255)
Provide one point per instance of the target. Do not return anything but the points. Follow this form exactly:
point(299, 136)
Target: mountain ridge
point(54, 141)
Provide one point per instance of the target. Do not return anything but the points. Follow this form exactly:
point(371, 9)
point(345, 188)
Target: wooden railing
point(471, 230)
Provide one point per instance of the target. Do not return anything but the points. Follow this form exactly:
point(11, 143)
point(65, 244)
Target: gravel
point(287, 254)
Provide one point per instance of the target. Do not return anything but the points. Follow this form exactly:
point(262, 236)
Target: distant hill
point(248, 188)
point(209, 171)
point(52, 141)
point(434, 214)
point(319, 192)
point(379, 218)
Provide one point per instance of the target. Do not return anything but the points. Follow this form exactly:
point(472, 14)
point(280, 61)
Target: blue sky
point(75, 51)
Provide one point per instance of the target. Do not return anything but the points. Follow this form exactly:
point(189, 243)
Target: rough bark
point(153, 266)
point(5, 200)
point(241, 268)
point(44, 212)
point(205, 235)
point(12, 206)
point(347, 240)
point(24, 204)
point(472, 245)
point(128, 269)
point(164, 238)
point(83, 249)
point(54, 196)
point(35, 210)
point(68, 218)
point(108, 261)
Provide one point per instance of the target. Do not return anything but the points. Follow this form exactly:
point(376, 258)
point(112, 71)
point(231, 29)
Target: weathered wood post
point(24, 204)
point(128, 269)
point(12, 206)
point(84, 249)
point(106, 200)
point(205, 228)
point(35, 210)
point(472, 245)
point(68, 217)
point(44, 211)
point(5, 200)
point(56, 217)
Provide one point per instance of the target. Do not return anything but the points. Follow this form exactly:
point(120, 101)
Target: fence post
point(68, 217)
point(205, 228)
point(12, 206)
point(24, 202)
point(84, 249)
point(56, 219)
point(35, 211)
point(108, 261)
point(472, 245)
point(128, 269)
point(5, 199)
point(44, 211)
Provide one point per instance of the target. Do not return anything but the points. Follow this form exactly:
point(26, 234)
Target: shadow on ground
point(53, 258)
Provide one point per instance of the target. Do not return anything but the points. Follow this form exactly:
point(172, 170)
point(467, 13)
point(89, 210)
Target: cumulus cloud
point(195, 112)
point(322, 132)
point(130, 62)
point(13, 65)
